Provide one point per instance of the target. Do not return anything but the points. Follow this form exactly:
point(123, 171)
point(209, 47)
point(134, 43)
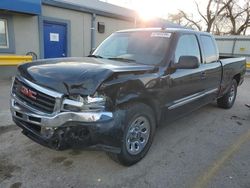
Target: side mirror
point(187, 62)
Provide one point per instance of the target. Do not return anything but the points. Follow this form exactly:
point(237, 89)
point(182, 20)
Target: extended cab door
point(185, 85)
point(211, 67)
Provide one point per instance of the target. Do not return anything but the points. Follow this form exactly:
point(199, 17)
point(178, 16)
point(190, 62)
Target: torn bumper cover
point(63, 130)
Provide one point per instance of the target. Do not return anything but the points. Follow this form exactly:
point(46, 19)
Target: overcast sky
point(163, 7)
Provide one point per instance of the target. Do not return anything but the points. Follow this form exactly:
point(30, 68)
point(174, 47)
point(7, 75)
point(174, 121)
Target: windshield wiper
point(121, 59)
point(95, 56)
point(113, 58)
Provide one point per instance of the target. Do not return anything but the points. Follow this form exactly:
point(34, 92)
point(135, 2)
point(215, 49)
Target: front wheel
point(139, 129)
point(227, 100)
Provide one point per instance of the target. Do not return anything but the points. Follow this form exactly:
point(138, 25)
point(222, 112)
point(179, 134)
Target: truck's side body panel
point(232, 67)
point(211, 76)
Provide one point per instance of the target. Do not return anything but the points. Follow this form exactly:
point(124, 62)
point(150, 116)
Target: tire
point(227, 100)
point(139, 129)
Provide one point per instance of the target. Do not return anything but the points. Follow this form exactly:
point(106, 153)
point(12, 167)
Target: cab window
point(187, 46)
point(210, 51)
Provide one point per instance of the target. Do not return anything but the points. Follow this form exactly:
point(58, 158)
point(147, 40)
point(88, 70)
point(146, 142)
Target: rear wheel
point(227, 100)
point(138, 134)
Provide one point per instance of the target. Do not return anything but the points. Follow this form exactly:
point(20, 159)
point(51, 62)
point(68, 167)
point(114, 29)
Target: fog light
point(47, 132)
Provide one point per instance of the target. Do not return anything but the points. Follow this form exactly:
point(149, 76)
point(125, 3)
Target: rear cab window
point(210, 50)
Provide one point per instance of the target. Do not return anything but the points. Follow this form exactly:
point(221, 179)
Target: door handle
point(203, 75)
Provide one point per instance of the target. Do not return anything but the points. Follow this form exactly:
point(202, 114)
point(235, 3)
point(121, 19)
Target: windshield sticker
point(161, 34)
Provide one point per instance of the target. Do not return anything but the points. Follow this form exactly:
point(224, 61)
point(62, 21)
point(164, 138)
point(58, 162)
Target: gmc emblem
point(27, 92)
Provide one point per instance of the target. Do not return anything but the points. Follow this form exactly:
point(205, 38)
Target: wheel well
point(237, 78)
point(150, 103)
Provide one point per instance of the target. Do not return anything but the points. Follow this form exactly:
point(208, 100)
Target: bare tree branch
point(192, 21)
point(198, 9)
point(230, 18)
point(238, 16)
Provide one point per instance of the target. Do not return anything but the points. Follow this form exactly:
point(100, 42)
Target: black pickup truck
point(114, 99)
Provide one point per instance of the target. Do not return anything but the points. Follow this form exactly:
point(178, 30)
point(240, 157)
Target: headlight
point(79, 103)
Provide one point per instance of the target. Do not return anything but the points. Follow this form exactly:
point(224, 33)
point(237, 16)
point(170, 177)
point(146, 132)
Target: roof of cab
point(164, 29)
point(155, 29)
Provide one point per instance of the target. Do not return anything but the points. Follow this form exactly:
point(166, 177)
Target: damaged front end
point(64, 103)
point(63, 121)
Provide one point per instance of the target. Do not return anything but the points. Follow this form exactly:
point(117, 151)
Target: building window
point(7, 39)
point(4, 43)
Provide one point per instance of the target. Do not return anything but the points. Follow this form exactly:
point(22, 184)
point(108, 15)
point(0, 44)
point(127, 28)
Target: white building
point(56, 28)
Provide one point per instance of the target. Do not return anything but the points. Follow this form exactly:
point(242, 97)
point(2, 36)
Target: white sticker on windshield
point(160, 34)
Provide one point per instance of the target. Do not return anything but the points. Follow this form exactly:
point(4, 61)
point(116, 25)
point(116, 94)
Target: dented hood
point(75, 75)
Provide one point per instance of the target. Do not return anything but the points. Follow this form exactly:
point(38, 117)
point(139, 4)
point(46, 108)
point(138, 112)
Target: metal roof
point(94, 7)
point(22, 6)
point(108, 10)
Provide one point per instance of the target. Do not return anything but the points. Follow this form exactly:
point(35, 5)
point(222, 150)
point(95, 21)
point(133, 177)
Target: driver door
point(185, 85)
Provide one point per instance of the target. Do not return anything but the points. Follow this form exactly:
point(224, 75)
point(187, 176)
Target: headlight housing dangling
point(78, 103)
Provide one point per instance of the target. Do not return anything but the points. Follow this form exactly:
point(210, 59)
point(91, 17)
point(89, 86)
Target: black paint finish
point(169, 91)
point(76, 75)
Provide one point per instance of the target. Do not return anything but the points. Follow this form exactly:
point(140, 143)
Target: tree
point(221, 16)
point(214, 9)
point(238, 17)
point(185, 20)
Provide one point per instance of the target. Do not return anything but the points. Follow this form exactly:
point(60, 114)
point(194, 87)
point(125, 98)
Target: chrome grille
point(42, 101)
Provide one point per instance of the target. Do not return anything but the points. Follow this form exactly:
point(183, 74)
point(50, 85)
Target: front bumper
point(62, 130)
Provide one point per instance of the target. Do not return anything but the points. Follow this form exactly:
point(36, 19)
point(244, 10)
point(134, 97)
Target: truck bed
point(233, 67)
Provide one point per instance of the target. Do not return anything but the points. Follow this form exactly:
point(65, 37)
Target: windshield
point(145, 47)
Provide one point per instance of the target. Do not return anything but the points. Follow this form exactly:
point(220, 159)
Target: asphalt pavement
point(5, 117)
point(207, 148)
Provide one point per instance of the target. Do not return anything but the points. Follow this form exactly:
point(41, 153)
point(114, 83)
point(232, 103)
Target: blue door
point(55, 39)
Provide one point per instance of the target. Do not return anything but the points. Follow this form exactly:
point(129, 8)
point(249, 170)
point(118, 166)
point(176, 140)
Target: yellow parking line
point(214, 168)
